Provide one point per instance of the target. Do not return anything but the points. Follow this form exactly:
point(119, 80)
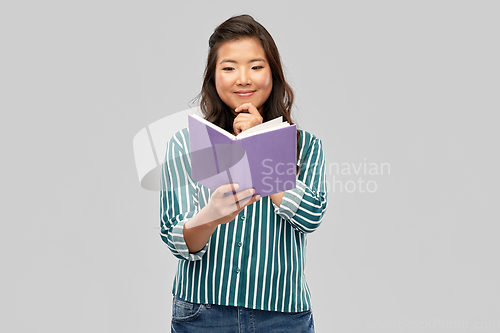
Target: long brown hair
point(280, 100)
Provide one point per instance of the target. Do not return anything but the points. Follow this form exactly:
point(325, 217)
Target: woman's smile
point(245, 93)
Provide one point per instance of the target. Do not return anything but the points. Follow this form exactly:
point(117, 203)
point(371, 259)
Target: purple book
point(263, 157)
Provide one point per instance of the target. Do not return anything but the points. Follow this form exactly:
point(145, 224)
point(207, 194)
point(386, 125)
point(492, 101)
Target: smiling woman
point(243, 75)
point(242, 257)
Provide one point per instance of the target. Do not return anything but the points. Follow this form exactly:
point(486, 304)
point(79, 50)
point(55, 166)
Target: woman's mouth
point(245, 93)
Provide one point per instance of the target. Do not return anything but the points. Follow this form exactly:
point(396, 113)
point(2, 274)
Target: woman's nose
point(243, 78)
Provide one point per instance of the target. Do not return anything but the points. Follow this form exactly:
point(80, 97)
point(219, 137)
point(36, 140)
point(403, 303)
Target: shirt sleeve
point(178, 199)
point(304, 206)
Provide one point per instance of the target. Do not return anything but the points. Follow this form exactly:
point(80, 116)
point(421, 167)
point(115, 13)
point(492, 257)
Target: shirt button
point(237, 270)
point(240, 244)
point(242, 217)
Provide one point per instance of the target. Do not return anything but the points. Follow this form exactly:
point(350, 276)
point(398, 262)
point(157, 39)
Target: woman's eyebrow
point(235, 62)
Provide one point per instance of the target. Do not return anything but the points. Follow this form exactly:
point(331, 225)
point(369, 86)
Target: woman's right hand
point(221, 209)
point(224, 207)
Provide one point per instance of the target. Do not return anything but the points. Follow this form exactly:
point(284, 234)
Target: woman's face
point(243, 74)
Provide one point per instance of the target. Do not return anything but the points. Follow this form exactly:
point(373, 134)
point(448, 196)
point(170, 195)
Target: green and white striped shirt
point(257, 260)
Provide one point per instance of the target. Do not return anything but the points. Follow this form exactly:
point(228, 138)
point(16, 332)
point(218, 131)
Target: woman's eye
point(228, 69)
point(257, 67)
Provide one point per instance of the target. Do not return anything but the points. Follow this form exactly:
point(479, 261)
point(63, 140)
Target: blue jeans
point(190, 317)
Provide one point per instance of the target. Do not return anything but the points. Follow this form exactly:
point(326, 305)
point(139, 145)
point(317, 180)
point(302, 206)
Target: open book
point(263, 157)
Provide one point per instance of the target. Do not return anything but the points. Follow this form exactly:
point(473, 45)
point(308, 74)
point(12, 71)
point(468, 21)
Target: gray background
point(412, 84)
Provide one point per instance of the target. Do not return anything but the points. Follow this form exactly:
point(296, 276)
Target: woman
point(241, 257)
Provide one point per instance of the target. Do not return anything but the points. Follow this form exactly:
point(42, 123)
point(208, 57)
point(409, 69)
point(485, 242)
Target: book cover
point(265, 158)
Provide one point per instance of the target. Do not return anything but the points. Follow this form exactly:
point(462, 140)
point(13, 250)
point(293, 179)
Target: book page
point(215, 127)
point(282, 125)
point(268, 125)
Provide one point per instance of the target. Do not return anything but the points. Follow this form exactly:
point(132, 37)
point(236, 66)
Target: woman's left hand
point(248, 117)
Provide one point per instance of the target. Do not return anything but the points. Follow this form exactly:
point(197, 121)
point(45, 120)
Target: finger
point(245, 116)
point(237, 129)
point(248, 107)
point(244, 121)
point(239, 126)
point(239, 205)
point(234, 204)
point(242, 195)
point(239, 196)
point(242, 107)
point(249, 201)
point(223, 190)
point(232, 197)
